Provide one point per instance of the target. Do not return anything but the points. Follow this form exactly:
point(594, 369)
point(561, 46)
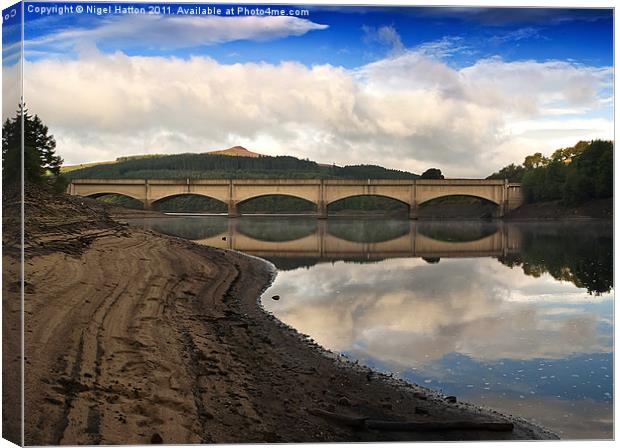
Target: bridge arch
point(392, 201)
point(294, 200)
point(463, 206)
point(398, 192)
point(217, 205)
point(109, 192)
point(486, 197)
point(245, 190)
point(119, 200)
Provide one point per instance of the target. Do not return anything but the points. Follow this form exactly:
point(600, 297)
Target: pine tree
point(40, 160)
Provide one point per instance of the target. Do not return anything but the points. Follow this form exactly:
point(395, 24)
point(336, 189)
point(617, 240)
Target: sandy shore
point(135, 337)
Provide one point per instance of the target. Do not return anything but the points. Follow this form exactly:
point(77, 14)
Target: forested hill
point(213, 166)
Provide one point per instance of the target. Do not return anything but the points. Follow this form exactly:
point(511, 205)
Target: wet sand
point(133, 337)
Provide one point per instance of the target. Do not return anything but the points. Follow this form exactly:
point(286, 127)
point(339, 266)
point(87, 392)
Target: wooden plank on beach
point(414, 426)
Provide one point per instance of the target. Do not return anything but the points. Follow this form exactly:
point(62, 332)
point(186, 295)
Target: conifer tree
point(41, 163)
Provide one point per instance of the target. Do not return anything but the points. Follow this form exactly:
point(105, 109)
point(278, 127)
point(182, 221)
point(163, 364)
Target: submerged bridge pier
point(321, 192)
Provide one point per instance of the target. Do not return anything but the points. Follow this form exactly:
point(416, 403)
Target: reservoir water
point(516, 317)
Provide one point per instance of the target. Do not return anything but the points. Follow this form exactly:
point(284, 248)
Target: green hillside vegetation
point(138, 157)
point(68, 168)
point(572, 175)
point(211, 166)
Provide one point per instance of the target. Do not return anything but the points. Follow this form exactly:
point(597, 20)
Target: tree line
point(572, 175)
point(217, 166)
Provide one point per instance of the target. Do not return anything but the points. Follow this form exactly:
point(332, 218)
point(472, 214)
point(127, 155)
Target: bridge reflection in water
point(344, 239)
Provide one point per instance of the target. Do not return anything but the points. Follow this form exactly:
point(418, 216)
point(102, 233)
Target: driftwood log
point(386, 425)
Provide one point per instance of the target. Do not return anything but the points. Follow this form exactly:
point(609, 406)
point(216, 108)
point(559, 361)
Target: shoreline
point(154, 339)
point(600, 211)
point(424, 399)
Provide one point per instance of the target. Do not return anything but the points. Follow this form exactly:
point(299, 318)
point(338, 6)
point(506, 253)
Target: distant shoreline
point(597, 209)
point(600, 209)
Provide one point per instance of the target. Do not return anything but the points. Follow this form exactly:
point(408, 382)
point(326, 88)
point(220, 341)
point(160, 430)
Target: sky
point(466, 90)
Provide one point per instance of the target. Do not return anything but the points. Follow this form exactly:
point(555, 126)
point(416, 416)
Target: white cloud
point(384, 35)
point(444, 47)
point(516, 35)
point(172, 32)
point(11, 90)
point(408, 111)
point(11, 53)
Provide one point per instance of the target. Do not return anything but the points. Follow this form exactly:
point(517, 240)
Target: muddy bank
point(135, 337)
point(11, 316)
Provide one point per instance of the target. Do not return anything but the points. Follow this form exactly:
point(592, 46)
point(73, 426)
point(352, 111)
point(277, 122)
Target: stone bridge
point(322, 193)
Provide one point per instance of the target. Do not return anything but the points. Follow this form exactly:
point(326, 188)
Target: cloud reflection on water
point(529, 346)
point(408, 312)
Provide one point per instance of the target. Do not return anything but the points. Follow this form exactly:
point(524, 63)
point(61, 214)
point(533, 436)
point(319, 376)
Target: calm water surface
point(515, 317)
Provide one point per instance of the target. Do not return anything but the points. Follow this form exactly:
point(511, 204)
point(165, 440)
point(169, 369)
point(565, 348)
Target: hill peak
point(239, 151)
